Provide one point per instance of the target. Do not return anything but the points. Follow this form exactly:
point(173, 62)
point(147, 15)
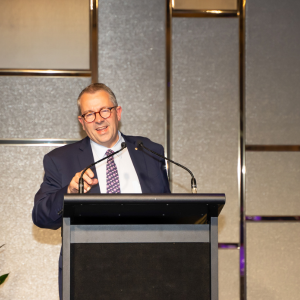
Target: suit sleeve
point(48, 201)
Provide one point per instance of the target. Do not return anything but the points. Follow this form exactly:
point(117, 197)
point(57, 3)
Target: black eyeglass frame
point(98, 112)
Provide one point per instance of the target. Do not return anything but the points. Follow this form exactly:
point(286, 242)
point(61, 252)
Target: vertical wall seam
point(94, 40)
point(168, 124)
point(242, 57)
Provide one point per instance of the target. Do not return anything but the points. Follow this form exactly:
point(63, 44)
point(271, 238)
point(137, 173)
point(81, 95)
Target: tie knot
point(109, 152)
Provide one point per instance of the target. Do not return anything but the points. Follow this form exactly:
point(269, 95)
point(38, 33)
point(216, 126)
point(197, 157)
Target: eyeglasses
point(104, 112)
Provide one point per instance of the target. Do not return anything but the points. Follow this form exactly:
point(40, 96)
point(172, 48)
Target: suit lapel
point(139, 163)
point(85, 157)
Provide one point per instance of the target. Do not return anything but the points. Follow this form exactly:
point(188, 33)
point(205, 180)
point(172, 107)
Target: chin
point(106, 143)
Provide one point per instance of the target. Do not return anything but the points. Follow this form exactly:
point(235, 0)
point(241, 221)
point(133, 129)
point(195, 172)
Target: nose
point(98, 117)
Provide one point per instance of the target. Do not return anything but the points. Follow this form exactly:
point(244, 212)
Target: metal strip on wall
point(36, 142)
point(228, 246)
point(94, 40)
point(168, 124)
point(272, 218)
point(242, 150)
point(48, 73)
point(277, 148)
point(205, 13)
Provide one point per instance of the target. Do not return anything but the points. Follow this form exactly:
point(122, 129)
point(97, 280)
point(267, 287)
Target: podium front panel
point(139, 261)
point(156, 271)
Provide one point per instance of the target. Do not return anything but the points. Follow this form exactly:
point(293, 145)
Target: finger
point(72, 188)
point(87, 186)
point(75, 179)
point(74, 184)
point(87, 179)
point(94, 181)
point(90, 173)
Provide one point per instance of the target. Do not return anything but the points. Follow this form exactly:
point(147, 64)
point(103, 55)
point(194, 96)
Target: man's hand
point(88, 179)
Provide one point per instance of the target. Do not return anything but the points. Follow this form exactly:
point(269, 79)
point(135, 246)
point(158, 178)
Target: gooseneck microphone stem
point(193, 180)
point(81, 181)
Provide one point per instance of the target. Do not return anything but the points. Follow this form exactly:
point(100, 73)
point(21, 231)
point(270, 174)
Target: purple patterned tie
point(112, 176)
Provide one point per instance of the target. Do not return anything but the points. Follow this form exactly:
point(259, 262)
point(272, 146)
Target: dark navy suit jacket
point(63, 163)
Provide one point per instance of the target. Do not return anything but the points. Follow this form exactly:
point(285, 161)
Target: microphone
point(81, 182)
point(193, 180)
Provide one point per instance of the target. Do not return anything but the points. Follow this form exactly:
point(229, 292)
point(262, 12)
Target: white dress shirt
point(129, 181)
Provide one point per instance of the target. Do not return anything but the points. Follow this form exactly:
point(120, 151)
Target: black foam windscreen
point(156, 271)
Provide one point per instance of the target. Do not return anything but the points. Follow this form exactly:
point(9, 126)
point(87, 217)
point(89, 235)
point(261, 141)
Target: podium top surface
point(209, 199)
point(133, 207)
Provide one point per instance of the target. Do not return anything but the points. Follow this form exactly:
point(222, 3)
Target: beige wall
point(272, 113)
point(205, 129)
point(41, 34)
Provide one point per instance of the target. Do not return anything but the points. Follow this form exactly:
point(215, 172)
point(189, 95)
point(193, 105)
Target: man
point(135, 171)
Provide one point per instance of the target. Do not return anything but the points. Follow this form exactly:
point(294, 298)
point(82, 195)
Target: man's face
point(102, 131)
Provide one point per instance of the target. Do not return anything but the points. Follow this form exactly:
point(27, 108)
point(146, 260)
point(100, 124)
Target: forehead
point(95, 101)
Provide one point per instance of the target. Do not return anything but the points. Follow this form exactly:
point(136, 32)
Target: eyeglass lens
point(104, 113)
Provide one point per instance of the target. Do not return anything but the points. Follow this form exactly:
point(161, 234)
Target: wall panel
point(273, 261)
point(205, 101)
point(40, 107)
point(272, 72)
point(30, 254)
point(204, 4)
point(272, 183)
point(41, 34)
point(229, 274)
point(132, 62)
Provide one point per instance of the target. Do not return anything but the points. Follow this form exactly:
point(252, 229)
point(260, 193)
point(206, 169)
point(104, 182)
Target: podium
point(141, 246)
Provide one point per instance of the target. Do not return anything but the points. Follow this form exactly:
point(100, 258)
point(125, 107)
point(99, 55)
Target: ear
point(119, 112)
point(80, 119)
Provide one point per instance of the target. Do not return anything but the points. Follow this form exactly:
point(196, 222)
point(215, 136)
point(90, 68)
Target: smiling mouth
point(101, 129)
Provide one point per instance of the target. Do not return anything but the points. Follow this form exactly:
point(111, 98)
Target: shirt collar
point(101, 150)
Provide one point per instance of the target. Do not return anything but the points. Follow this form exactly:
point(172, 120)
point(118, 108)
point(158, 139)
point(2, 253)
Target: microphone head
point(123, 145)
point(139, 143)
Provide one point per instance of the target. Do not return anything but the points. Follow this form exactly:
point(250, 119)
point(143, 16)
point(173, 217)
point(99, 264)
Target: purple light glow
point(253, 218)
point(227, 246)
point(242, 261)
